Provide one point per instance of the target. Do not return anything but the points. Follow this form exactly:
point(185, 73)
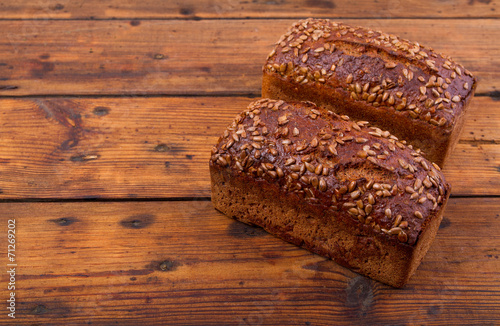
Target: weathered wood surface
point(178, 57)
point(94, 9)
point(188, 67)
point(62, 148)
point(184, 263)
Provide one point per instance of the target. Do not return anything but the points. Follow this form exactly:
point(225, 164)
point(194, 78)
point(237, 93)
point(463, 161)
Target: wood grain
point(93, 9)
point(159, 147)
point(172, 57)
point(183, 262)
point(123, 99)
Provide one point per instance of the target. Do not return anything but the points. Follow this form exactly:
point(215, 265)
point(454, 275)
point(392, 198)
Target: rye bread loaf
point(339, 188)
point(401, 86)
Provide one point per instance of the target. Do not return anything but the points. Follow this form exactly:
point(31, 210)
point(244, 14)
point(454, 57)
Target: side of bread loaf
point(401, 86)
point(342, 189)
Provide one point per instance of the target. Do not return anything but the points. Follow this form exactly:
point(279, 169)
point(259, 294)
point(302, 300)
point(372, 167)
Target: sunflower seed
point(349, 205)
point(301, 147)
point(362, 154)
point(424, 165)
point(353, 211)
point(356, 194)
point(397, 221)
point(332, 149)
point(395, 231)
point(368, 209)
point(417, 184)
point(352, 186)
point(309, 167)
point(402, 236)
point(314, 182)
point(322, 184)
point(222, 161)
point(268, 166)
point(284, 131)
point(282, 120)
point(409, 190)
point(319, 169)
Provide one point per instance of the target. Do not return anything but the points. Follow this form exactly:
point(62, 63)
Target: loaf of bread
point(342, 189)
point(401, 86)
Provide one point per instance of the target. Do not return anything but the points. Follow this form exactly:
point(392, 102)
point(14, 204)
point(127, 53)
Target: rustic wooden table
point(107, 115)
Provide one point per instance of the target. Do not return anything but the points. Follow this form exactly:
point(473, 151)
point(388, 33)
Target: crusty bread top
point(365, 174)
point(381, 69)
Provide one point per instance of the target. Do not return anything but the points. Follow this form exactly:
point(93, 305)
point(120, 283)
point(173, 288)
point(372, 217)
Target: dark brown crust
point(368, 196)
point(397, 85)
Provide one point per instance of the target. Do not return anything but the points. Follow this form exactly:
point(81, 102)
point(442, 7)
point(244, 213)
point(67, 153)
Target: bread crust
point(401, 86)
point(343, 189)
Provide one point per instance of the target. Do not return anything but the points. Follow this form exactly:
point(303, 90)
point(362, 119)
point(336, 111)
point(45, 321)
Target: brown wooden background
point(108, 111)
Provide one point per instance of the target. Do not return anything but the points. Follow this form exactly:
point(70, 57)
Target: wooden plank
point(65, 9)
point(47, 57)
point(183, 262)
point(159, 147)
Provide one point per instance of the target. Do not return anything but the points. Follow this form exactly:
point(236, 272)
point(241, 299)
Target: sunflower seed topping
point(355, 194)
point(332, 149)
point(402, 236)
point(322, 184)
point(397, 220)
point(352, 186)
point(309, 167)
point(390, 65)
point(395, 231)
